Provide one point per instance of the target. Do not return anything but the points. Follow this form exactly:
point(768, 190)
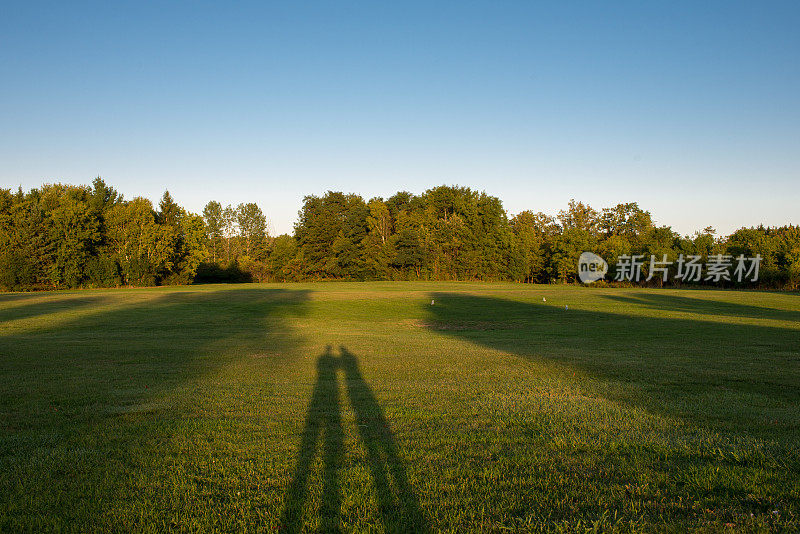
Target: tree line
point(64, 236)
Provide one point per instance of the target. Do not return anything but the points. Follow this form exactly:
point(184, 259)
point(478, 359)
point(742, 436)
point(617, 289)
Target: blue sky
point(694, 112)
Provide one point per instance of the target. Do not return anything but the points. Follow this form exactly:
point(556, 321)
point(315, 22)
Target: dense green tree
point(379, 245)
point(191, 241)
point(103, 196)
point(61, 236)
point(214, 217)
point(20, 238)
point(330, 232)
point(627, 220)
point(283, 251)
point(168, 211)
point(579, 216)
point(229, 231)
point(533, 232)
point(580, 230)
point(565, 250)
point(73, 229)
point(193, 246)
point(252, 227)
point(144, 249)
point(411, 254)
point(659, 243)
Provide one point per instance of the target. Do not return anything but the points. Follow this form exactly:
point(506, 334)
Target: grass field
point(362, 407)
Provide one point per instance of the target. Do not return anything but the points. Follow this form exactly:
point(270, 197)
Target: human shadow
point(398, 505)
point(323, 420)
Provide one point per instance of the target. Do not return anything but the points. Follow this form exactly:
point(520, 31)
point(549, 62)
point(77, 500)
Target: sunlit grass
point(361, 406)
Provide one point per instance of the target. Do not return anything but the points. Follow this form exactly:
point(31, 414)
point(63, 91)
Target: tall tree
point(229, 231)
point(533, 232)
point(579, 216)
point(379, 245)
point(214, 216)
point(168, 210)
point(74, 231)
point(66, 236)
point(252, 226)
point(144, 248)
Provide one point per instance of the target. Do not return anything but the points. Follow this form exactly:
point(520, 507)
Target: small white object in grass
point(544, 299)
point(431, 302)
point(566, 307)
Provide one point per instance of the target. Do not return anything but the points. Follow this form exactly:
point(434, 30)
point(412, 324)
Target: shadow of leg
point(399, 506)
point(323, 417)
point(333, 449)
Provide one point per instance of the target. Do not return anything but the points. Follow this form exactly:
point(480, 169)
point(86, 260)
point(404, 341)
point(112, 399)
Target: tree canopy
point(64, 236)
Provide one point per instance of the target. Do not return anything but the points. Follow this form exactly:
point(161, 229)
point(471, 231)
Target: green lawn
point(362, 407)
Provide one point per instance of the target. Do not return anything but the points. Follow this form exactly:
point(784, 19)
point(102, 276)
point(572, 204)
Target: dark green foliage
point(61, 236)
point(168, 211)
point(252, 228)
point(103, 271)
point(455, 233)
point(214, 216)
point(281, 256)
point(330, 234)
point(213, 273)
point(17, 272)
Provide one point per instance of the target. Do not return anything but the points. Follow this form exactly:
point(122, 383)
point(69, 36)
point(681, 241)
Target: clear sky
point(691, 109)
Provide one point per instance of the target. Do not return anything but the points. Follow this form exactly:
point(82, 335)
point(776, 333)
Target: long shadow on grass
point(85, 397)
point(686, 368)
point(43, 305)
point(670, 302)
point(398, 505)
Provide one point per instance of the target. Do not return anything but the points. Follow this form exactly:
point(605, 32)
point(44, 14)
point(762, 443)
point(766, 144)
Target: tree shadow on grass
point(86, 397)
point(685, 368)
point(398, 506)
point(164, 339)
point(45, 304)
point(679, 303)
point(732, 390)
point(19, 296)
